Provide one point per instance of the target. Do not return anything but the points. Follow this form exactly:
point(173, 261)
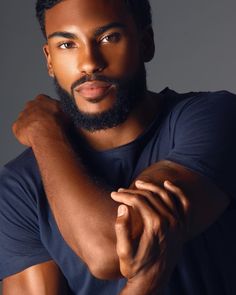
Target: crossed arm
point(72, 195)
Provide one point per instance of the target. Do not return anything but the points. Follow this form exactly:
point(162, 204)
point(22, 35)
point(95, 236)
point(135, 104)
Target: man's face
point(94, 52)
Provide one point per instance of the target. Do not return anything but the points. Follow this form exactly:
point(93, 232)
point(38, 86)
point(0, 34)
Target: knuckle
point(119, 225)
point(156, 225)
point(126, 270)
point(40, 96)
point(186, 205)
point(135, 200)
point(164, 195)
point(149, 194)
point(139, 199)
point(177, 190)
point(122, 252)
point(29, 104)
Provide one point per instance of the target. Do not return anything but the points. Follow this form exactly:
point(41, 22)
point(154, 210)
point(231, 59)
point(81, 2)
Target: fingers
point(42, 114)
point(123, 245)
point(177, 202)
point(44, 97)
point(165, 209)
point(178, 192)
point(154, 223)
point(162, 204)
point(159, 235)
point(40, 107)
point(160, 193)
point(132, 260)
point(43, 101)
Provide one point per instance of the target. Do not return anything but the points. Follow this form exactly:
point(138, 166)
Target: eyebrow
point(98, 31)
point(107, 27)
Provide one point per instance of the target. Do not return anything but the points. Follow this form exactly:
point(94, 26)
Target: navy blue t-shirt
point(196, 130)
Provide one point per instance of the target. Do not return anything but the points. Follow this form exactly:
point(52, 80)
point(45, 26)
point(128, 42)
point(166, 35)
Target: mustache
point(91, 78)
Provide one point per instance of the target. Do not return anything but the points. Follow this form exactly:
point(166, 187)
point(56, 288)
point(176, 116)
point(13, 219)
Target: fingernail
point(121, 210)
point(121, 189)
point(139, 182)
point(167, 182)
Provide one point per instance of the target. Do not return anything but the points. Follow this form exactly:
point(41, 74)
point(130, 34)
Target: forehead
point(85, 14)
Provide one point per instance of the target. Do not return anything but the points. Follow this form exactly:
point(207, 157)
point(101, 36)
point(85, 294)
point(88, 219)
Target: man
point(168, 159)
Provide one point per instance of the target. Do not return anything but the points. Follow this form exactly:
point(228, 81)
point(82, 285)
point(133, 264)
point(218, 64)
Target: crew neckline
point(143, 137)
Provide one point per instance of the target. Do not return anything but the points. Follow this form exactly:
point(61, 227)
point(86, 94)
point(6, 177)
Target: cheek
point(123, 60)
point(65, 69)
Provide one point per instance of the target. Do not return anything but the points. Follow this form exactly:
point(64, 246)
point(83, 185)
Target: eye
point(67, 45)
point(112, 38)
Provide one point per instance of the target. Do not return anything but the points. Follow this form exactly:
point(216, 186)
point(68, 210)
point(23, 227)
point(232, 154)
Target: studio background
point(195, 50)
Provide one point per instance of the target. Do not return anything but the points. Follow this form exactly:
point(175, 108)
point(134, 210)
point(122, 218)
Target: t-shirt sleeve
point(204, 138)
point(20, 244)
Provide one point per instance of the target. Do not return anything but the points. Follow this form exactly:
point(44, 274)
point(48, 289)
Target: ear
point(147, 44)
point(48, 59)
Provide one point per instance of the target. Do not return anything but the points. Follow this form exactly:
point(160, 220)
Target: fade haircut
point(140, 9)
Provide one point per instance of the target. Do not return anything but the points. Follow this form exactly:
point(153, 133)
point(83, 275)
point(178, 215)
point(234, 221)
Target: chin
point(95, 106)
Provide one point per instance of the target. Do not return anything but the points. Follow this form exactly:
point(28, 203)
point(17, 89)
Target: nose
point(91, 60)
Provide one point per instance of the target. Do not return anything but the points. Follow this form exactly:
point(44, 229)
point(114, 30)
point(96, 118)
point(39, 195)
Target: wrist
point(46, 134)
point(141, 289)
point(145, 283)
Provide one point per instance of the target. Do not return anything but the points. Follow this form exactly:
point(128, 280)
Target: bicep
point(41, 279)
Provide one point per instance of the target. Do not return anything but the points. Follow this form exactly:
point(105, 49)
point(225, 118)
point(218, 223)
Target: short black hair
point(140, 9)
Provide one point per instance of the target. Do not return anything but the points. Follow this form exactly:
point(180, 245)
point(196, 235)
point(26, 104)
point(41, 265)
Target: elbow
point(100, 257)
point(104, 266)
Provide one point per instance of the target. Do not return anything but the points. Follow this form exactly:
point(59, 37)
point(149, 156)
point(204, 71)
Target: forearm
point(84, 212)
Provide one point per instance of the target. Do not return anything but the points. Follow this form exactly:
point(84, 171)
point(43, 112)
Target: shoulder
point(200, 101)
point(195, 109)
point(201, 134)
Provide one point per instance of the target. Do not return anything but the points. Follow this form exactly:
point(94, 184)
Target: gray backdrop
point(195, 42)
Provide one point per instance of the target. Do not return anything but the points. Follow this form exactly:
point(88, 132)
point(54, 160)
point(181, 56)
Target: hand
point(164, 212)
point(41, 117)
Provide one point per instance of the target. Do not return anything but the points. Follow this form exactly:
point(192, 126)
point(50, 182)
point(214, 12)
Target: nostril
point(91, 61)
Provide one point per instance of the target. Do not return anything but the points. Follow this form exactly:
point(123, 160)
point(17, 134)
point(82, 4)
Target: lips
point(94, 90)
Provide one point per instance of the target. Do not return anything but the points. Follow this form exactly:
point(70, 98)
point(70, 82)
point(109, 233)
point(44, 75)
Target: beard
point(130, 92)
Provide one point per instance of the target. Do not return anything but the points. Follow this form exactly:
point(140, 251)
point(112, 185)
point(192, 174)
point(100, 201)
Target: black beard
point(129, 93)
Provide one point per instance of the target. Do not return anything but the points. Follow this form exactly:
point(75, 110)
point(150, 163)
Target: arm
point(41, 279)
point(85, 212)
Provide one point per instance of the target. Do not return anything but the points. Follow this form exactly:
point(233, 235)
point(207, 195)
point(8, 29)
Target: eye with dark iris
point(67, 45)
point(112, 38)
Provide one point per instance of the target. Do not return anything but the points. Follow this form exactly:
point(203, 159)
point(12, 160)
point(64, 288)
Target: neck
point(136, 123)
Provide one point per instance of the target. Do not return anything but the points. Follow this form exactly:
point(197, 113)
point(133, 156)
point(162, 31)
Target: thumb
point(122, 228)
